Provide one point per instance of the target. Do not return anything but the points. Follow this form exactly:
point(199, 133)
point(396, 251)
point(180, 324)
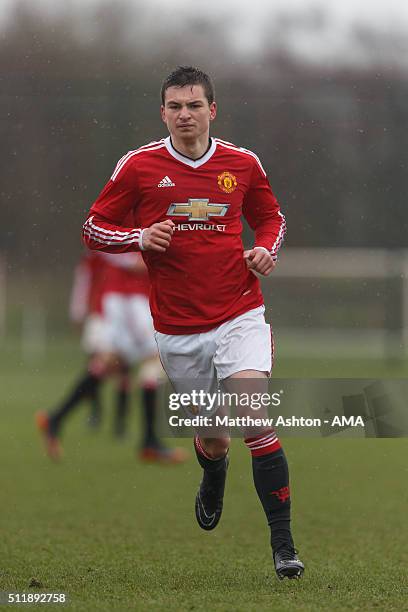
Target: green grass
point(117, 535)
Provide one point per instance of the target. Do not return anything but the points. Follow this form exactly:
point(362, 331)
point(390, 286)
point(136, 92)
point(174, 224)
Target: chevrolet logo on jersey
point(198, 209)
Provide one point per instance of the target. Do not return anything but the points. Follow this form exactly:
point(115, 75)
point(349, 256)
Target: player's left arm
point(262, 211)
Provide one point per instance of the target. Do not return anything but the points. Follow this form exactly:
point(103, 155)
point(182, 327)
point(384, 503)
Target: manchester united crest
point(227, 182)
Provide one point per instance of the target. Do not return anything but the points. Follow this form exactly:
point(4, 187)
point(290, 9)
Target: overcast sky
point(346, 9)
point(246, 21)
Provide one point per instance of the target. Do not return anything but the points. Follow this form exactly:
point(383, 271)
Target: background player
point(117, 333)
point(85, 313)
point(91, 280)
point(180, 201)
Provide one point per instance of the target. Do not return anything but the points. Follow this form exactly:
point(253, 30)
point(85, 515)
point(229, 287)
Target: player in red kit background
point(110, 298)
point(180, 200)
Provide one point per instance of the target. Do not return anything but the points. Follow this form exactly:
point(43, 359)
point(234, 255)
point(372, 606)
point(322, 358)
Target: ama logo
point(351, 421)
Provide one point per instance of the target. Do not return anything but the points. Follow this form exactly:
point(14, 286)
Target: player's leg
point(95, 412)
point(142, 349)
point(93, 344)
point(271, 477)
point(96, 342)
point(117, 337)
point(122, 400)
point(212, 455)
point(50, 423)
point(88, 385)
point(188, 363)
point(85, 387)
point(148, 380)
point(246, 347)
point(151, 447)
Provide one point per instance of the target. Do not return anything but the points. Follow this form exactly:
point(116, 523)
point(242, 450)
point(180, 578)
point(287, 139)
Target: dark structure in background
point(72, 102)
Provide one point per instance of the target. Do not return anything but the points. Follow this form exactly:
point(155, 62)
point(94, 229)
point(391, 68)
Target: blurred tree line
point(76, 96)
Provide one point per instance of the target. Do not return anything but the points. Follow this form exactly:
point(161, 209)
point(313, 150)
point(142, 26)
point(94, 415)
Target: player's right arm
point(105, 228)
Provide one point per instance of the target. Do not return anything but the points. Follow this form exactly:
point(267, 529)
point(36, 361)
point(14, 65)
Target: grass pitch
point(117, 535)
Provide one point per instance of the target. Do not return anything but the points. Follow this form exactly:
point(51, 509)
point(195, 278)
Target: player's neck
point(192, 149)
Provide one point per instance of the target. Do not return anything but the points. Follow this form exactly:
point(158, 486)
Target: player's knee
point(104, 364)
point(216, 447)
point(151, 373)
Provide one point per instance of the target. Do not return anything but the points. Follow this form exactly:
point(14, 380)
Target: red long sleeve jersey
point(88, 278)
point(100, 273)
point(125, 274)
point(202, 279)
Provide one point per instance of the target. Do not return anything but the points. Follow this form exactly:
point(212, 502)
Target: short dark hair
point(188, 75)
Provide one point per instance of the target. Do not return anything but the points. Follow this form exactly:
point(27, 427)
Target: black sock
point(149, 396)
point(214, 476)
point(122, 410)
point(95, 415)
point(84, 388)
point(271, 478)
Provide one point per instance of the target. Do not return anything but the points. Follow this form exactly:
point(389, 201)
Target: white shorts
point(243, 343)
point(94, 335)
point(128, 328)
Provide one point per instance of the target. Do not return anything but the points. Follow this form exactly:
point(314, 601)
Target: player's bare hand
point(158, 236)
point(259, 260)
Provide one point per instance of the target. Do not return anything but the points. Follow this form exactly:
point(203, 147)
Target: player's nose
point(184, 112)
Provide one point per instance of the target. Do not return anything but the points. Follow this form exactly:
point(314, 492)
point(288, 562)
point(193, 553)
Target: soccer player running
point(179, 200)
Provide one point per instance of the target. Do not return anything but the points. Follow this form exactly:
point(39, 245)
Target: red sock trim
point(265, 443)
point(97, 369)
point(271, 448)
point(199, 448)
point(150, 385)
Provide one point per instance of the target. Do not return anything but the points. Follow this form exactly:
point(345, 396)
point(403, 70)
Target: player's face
point(186, 112)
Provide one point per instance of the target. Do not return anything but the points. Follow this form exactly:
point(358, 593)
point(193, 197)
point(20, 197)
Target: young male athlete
point(179, 200)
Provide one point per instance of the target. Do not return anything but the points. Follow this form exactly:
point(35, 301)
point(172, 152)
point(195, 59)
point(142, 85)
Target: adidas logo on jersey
point(166, 182)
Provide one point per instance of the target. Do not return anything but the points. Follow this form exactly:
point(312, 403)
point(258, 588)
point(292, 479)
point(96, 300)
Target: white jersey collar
point(185, 160)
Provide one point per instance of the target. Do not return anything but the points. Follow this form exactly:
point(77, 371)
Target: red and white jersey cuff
point(141, 247)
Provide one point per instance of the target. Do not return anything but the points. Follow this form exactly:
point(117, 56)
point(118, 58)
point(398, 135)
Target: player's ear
point(163, 113)
point(213, 110)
